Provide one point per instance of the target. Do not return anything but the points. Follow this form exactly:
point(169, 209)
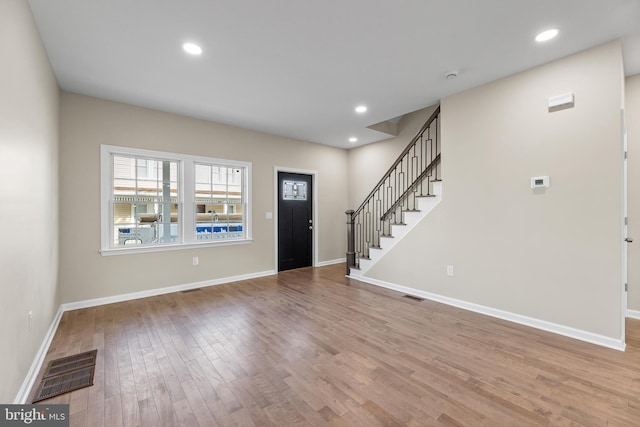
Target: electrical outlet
point(449, 270)
point(195, 260)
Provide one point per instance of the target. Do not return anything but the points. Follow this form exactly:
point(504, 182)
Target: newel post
point(351, 243)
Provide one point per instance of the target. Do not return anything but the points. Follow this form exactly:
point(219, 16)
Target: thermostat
point(540, 182)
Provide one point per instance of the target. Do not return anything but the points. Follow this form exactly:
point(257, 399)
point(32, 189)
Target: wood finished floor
point(310, 347)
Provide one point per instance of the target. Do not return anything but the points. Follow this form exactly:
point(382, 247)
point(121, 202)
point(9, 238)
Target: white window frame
point(186, 200)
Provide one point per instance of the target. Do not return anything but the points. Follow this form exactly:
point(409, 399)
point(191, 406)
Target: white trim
point(175, 247)
point(186, 165)
point(161, 291)
point(411, 219)
point(555, 328)
point(314, 201)
point(624, 227)
point(330, 262)
point(34, 370)
point(633, 314)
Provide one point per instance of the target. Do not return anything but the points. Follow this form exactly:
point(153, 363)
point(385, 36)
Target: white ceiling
point(298, 68)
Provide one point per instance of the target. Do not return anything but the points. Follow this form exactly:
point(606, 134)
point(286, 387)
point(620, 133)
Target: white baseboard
point(330, 262)
point(34, 370)
point(32, 375)
point(505, 315)
point(161, 291)
point(633, 314)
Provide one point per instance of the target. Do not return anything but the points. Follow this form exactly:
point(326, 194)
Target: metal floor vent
point(67, 374)
point(60, 384)
point(413, 297)
point(191, 290)
point(70, 363)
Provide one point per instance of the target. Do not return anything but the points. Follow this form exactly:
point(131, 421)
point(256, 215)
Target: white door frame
point(625, 245)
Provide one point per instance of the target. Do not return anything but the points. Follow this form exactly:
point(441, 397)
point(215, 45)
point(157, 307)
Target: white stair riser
point(425, 205)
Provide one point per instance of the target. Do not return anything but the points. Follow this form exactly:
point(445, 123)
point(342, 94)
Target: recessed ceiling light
point(361, 109)
point(192, 48)
point(547, 35)
point(353, 139)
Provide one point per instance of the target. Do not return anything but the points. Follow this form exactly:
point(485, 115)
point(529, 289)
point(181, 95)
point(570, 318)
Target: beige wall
point(88, 122)
point(29, 192)
point(632, 110)
point(552, 255)
point(368, 162)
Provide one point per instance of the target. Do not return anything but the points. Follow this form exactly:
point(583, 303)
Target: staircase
point(398, 231)
point(405, 194)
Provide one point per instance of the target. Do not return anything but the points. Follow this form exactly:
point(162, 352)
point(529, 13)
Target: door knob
point(628, 240)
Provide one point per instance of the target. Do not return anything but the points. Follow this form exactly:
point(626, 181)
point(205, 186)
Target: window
point(144, 200)
point(157, 201)
point(220, 203)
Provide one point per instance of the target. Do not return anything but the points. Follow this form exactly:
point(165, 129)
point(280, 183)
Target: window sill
point(174, 247)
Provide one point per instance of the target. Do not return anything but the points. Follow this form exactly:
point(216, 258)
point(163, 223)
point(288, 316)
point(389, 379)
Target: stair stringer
point(411, 218)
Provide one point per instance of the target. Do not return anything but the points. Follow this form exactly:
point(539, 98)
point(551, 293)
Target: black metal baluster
point(396, 191)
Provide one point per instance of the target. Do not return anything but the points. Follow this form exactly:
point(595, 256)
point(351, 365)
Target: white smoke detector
point(450, 75)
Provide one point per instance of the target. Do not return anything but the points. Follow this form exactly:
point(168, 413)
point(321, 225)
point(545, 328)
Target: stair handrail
point(426, 125)
point(378, 212)
point(434, 163)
